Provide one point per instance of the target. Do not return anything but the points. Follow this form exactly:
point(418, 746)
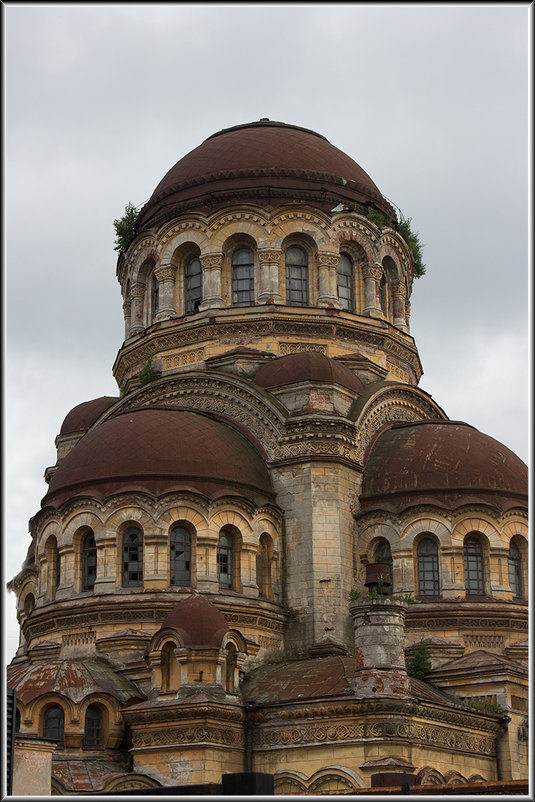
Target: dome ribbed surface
point(311, 366)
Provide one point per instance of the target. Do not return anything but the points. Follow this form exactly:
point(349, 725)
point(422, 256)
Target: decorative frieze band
point(297, 348)
point(271, 256)
point(188, 735)
point(185, 358)
point(210, 260)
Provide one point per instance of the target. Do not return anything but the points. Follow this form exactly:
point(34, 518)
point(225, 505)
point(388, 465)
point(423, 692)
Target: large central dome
point(266, 162)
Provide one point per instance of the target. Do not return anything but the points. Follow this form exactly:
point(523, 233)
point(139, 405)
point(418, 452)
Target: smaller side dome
point(199, 622)
point(306, 366)
point(83, 416)
point(446, 462)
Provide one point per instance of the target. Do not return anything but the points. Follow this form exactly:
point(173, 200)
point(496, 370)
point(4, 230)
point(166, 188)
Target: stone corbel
point(211, 281)
point(328, 291)
point(269, 277)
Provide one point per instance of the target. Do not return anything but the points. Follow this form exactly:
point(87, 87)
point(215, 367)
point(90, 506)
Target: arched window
point(93, 726)
point(29, 604)
point(193, 284)
point(53, 566)
point(263, 566)
point(473, 567)
point(154, 298)
point(180, 556)
point(296, 276)
point(344, 281)
point(89, 562)
point(230, 668)
point(132, 558)
point(242, 277)
point(428, 577)
point(515, 570)
point(225, 554)
point(383, 554)
point(54, 723)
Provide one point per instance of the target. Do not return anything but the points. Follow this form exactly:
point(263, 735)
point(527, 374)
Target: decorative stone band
point(270, 256)
point(407, 730)
point(298, 348)
point(195, 735)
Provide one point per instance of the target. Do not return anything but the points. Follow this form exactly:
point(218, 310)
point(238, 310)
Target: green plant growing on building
point(419, 664)
point(125, 228)
point(412, 238)
point(354, 594)
point(148, 372)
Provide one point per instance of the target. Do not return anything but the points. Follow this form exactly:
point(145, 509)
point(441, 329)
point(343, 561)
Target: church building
point(236, 555)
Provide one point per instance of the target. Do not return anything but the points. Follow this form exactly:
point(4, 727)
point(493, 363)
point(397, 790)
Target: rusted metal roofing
point(157, 451)
point(84, 415)
point(311, 366)
point(446, 462)
point(199, 622)
point(248, 159)
point(74, 679)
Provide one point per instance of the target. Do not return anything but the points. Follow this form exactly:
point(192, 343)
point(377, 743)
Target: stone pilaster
point(127, 307)
point(328, 292)
point(269, 277)
point(372, 276)
point(165, 275)
point(137, 294)
point(379, 627)
point(211, 281)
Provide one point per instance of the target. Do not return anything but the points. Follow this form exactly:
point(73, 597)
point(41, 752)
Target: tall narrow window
point(473, 567)
point(296, 276)
point(154, 297)
point(383, 554)
point(180, 556)
point(89, 562)
point(132, 558)
point(225, 559)
point(58, 568)
point(344, 280)
point(515, 570)
point(193, 284)
point(54, 723)
point(428, 577)
point(93, 726)
point(383, 298)
point(242, 277)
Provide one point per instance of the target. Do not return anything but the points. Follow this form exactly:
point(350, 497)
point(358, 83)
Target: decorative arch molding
point(131, 782)
point(472, 524)
point(164, 636)
point(327, 780)
point(393, 404)
point(261, 524)
point(83, 521)
point(184, 233)
point(513, 528)
point(234, 637)
point(223, 398)
point(53, 528)
point(144, 247)
point(231, 517)
point(35, 709)
point(346, 230)
point(427, 525)
point(391, 244)
point(121, 518)
point(230, 227)
point(183, 513)
point(288, 221)
point(375, 531)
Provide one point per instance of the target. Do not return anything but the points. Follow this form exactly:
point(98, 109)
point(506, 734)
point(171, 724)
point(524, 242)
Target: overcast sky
point(101, 100)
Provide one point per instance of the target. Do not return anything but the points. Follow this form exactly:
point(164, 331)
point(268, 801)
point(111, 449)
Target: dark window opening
point(180, 556)
point(242, 277)
point(296, 276)
point(344, 280)
point(132, 558)
point(93, 726)
point(428, 576)
point(89, 562)
point(54, 723)
point(473, 567)
point(225, 559)
point(193, 289)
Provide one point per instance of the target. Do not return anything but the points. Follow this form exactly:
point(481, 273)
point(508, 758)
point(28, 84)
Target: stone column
point(269, 277)
point(137, 294)
point(328, 291)
point(379, 627)
point(211, 281)
point(165, 275)
point(127, 314)
point(248, 570)
point(32, 766)
point(207, 564)
point(372, 276)
point(399, 294)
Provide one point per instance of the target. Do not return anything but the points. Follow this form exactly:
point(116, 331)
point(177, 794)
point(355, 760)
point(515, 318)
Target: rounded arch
point(228, 516)
point(476, 524)
point(517, 565)
point(420, 526)
point(476, 564)
point(164, 636)
point(182, 538)
point(186, 511)
point(81, 521)
point(52, 562)
point(228, 557)
point(130, 553)
point(189, 236)
point(141, 261)
point(426, 554)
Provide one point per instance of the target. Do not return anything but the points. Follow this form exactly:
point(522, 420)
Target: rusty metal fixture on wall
point(378, 577)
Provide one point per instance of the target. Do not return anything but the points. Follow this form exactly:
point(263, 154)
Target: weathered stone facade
point(184, 605)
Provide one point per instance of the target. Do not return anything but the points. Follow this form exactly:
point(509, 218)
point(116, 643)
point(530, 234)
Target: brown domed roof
point(157, 451)
point(449, 463)
point(74, 679)
point(306, 366)
point(199, 622)
point(266, 161)
point(83, 416)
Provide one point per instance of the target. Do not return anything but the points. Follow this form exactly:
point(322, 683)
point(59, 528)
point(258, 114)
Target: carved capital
point(399, 290)
point(211, 260)
point(374, 272)
point(137, 290)
point(165, 273)
point(270, 256)
point(327, 259)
